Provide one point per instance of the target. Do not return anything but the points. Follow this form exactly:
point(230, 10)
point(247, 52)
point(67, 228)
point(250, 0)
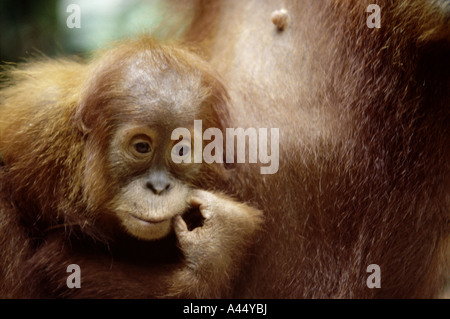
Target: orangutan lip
point(150, 221)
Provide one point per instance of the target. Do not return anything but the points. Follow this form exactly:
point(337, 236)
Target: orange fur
point(71, 192)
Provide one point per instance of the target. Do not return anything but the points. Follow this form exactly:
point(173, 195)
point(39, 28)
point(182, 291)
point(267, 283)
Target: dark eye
point(142, 147)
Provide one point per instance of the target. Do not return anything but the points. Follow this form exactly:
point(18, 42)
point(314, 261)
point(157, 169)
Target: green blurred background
point(33, 27)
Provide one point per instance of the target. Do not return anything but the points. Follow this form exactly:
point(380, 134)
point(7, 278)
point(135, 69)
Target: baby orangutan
point(88, 179)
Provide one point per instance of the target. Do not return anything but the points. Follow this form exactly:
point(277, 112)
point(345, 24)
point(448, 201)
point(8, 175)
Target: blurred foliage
point(27, 26)
point(30, 28)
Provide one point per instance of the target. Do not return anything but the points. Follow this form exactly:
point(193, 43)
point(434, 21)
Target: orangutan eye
point(142, 147)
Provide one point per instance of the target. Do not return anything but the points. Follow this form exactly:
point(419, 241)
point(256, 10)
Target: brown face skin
point(150, 192)
point(152, 195)
point(140, 155)
point(151, 95)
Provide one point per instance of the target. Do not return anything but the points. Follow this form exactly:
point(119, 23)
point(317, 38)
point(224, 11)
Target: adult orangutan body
point(364, 153)
point(364, 142)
